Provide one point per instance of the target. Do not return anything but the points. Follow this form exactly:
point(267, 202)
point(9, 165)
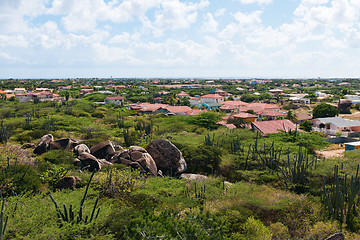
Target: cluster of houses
point(41, 94)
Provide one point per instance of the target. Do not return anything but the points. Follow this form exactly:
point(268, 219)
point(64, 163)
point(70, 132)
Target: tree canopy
point(325, 110)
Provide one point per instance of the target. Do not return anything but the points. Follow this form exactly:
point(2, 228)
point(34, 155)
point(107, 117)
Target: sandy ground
point(330, 153)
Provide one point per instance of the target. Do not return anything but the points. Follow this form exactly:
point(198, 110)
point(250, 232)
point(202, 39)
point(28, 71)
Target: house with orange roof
point(183, 95)
point(176, 110)
point(245, 117)
point(211, 98)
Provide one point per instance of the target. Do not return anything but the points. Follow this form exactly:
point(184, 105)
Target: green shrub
point(254, 229)
point(322, 230)
point(59, 157)
point(19, 178)
point(279, 231)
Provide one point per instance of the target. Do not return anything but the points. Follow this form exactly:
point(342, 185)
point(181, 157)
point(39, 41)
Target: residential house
point(194, 101)
point(86, 90)
point(24, 97)
point(245, 117)
point(20, 90)
point(270, 114)
point(222, 93)
point(275, 126)
point(230, 106)
point(276, 92)
point(334, 125)
point(117, 100)
point(183, 95)
point(302, 117)
point(175, 110)
point(212, 98)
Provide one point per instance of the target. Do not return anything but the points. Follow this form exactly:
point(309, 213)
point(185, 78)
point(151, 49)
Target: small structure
point(245, 117)
point(117, 100)
point(352, 146)
point(212, 98)
point(332, 125)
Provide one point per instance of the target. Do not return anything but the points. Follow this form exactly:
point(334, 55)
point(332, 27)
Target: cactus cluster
point(294, 170)
point(68, 215)
point(3, 218)
point(4, 132)
point(198, 192)
point(340, 199)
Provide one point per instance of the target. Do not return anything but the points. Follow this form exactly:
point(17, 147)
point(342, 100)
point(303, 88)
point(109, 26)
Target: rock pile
point(160, 156)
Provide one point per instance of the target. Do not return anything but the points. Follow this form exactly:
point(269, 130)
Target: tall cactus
point(340, 198)
point(3, 219)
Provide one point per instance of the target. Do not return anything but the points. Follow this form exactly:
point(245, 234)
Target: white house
point(118, 100)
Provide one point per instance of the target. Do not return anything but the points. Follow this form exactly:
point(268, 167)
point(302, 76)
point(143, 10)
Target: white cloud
point(261, 2)
point(210, 24)
point(314, 2)
point(220, 12)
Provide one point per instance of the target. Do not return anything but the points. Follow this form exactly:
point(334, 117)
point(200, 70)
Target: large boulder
point(68, 182)
point(67, 144)
point(190, 176)
point(336, 236)
point(103, 149)
point(81, 148)
point(28, 145)
point(167, 156)
point(136, 157)
point(44, 144)
point(88, 162)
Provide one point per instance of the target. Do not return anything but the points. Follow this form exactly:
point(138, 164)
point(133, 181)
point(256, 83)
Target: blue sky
point(178, 38)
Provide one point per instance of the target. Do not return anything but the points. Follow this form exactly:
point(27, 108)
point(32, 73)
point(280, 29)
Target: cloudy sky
point(179, 38)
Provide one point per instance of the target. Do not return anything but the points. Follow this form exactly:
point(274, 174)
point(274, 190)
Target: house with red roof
point(117, 100)
point(270, 114)
point(275, 126)
point(176, 110)
point(211, 98)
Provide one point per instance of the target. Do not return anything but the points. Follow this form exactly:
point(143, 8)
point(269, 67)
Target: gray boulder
point(136, 157)
point(67, 144)
point(102, 150)
point(81, 148)
point(336, 236)
point(167, 156)
point(28, 145)
point(86, 161)
point(44, 144)
point(197, 177)
point(68, 182)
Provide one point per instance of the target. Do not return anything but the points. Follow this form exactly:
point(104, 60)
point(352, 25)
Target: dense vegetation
point(257, 187)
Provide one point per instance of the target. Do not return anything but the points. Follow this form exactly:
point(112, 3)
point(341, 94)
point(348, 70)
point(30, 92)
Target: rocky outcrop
point(68, 182)
point(67, 144)
point(336, 236)
point(102, 150)
point(28, 145)
point(136, 157)
point(86, 161)
point(81, 148)
point(44, 144)
point(167, 156)
point(190, 176)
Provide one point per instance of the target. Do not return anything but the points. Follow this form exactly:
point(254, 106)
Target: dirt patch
point(330, 153)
